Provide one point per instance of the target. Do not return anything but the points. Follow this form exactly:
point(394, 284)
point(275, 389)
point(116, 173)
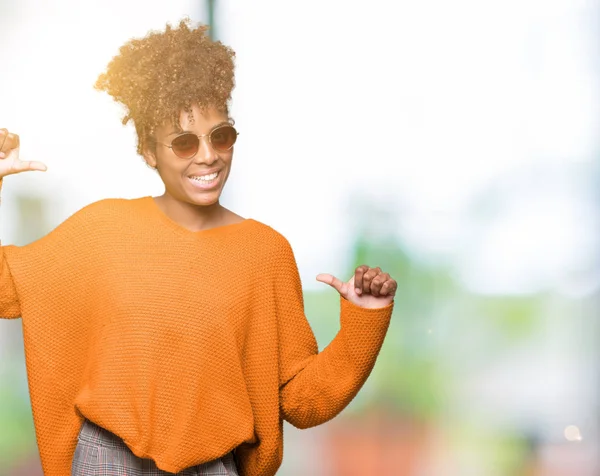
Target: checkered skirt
point(101, 453)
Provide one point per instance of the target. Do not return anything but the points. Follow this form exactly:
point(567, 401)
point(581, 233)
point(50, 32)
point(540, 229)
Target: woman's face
point(183, 178)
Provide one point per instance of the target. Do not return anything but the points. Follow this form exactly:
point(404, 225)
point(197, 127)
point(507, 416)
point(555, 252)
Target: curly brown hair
point(164, 73)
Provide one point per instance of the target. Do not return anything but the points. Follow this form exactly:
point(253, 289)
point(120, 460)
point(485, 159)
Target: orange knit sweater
point(185, 344)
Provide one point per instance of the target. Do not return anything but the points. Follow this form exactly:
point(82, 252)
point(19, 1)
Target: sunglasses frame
point(200, 136)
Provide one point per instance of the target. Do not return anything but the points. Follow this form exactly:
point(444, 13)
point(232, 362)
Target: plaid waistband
point(95, 434)
point(98, 436)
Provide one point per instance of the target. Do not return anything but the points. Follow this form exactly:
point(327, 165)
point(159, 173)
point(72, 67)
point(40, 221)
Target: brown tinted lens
point(185, 145)
point(222, 138)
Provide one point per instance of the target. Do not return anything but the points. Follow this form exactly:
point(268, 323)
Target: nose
point(206, 154)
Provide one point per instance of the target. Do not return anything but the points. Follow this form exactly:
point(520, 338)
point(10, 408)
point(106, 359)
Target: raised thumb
point(26, 165)
point(331, 280)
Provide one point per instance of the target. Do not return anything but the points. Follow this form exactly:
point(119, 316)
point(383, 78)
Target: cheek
point(168, 162)
point(228, 162)
point(170, 171)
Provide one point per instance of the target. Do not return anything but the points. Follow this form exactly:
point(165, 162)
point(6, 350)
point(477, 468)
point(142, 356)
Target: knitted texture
point(184, 344)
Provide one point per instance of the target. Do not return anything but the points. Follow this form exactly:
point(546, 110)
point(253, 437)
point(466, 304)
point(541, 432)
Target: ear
point(148, 146)
point(150, 158)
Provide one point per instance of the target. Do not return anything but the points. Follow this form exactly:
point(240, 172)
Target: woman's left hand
point(368, 287)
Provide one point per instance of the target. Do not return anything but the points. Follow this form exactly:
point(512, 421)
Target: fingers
point(373, 281)
point(368, 278)
point(8, 141)
point(3, 137)
point(386, 286)
point(358, 278)
point(389, 288)
point(377, 283)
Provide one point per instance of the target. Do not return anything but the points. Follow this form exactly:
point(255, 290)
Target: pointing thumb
point(331, 280)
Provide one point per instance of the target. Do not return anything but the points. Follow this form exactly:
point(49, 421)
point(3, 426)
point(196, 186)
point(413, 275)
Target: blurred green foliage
point(435, 319)
point(16, 420)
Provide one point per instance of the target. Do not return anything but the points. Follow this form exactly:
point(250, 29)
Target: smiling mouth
point(205, 178)
point(205, 182)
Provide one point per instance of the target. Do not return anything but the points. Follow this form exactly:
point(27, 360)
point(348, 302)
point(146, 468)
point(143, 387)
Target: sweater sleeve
point(316, 386)
point(9, 301)
point(37, 272)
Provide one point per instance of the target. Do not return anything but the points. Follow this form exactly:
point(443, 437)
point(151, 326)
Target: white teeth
point(206, 178)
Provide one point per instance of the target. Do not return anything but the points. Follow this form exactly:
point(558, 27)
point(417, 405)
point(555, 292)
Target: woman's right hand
point(9, 156)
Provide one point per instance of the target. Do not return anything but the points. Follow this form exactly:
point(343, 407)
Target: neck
point(191, 216)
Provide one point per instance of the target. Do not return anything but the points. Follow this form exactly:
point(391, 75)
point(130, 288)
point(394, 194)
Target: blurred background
point(453, 144)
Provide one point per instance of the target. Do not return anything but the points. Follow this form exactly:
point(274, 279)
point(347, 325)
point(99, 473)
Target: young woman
point(167, 335)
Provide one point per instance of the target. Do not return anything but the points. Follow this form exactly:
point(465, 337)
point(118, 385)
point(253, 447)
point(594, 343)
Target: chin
point(205, 199)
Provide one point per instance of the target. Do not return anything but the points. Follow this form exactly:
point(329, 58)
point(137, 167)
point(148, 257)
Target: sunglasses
point(186, 145)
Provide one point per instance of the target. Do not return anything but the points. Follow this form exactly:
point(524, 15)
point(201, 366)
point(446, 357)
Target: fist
point(9, 156)
point(368, 287)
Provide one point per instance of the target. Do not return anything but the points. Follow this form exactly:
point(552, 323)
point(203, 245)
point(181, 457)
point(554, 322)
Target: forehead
point(196, 119)
point(208, 115)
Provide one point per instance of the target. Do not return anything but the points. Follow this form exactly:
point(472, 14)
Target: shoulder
point(271, 243)
point(109, 207)
point(100, 214)
point(269, 236)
